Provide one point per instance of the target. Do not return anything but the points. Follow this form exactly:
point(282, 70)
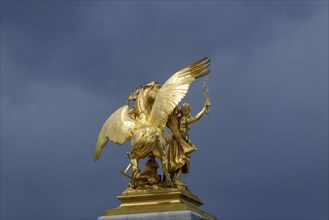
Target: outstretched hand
point(207, 103)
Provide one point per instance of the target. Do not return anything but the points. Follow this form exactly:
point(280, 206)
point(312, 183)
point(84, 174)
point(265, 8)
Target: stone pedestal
point(159, 203)
point(173, 215)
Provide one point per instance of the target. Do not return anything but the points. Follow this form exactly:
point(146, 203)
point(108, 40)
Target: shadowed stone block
point(173, 215)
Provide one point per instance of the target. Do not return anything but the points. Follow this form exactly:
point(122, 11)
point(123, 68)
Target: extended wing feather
point(174, 90)
point(118, 128)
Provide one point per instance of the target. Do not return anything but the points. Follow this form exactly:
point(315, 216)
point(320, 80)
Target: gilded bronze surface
point(156, 107)
point(160, 200)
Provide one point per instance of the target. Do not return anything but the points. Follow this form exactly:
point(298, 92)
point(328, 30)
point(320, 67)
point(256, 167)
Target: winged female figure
point(145, 123)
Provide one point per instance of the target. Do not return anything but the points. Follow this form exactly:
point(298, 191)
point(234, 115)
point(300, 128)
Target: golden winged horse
point(145, 124)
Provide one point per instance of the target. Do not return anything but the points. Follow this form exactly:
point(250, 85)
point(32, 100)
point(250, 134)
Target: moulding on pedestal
point(157, 201)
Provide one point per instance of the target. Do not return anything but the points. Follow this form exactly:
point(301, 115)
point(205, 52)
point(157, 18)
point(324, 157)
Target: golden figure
point(146, 121)
point(181, 146)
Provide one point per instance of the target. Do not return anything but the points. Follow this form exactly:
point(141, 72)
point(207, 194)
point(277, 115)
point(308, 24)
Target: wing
point(118, 128)
point(174, 90)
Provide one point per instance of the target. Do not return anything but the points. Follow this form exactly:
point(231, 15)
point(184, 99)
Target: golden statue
point(181, 146)
point(156, 108)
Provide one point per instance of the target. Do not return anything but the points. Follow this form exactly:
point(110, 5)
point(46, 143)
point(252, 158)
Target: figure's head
point(186, 109)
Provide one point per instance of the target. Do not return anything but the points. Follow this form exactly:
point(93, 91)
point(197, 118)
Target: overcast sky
point(67, 65)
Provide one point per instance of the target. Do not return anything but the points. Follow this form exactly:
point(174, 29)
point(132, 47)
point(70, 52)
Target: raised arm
point(203, 111)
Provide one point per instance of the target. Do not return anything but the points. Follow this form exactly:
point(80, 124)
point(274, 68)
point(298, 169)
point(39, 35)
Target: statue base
point(171, 203)
point(173, 215)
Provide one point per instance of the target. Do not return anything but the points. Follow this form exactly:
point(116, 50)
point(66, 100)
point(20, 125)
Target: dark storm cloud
point(56, 41)
point(65, 66)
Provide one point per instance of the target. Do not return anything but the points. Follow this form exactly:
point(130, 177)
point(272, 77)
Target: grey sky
point(67, 65)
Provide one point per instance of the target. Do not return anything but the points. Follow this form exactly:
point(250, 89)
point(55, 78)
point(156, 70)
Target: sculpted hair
point(186, 105)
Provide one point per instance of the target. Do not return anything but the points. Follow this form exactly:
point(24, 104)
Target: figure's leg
point(171, 174)
point(134, 163)
point(178, 174)
point(177, 181)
